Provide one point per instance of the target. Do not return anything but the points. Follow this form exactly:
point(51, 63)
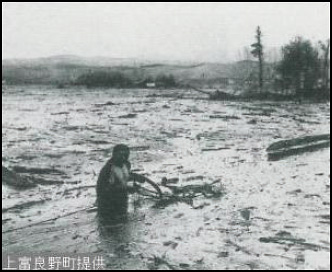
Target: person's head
point(120, 154)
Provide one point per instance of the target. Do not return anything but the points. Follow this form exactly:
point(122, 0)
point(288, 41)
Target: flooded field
point(271, 215)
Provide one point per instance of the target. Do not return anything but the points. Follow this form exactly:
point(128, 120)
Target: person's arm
point(142, 179)
point(138, 178)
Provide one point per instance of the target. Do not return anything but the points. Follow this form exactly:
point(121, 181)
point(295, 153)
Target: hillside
point(67, 69)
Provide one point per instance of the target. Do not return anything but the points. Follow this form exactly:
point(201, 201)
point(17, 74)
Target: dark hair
point(119, 147)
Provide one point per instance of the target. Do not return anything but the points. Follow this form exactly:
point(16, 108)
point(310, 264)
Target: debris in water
point(297, 146)
point(224, 254)
point(171, 244)
point(215, 149)
point(240, 248)
point(165, 182)
point(225, 117)
point(286, 238)
point(245, 214)
point(37, 171)
point(187, 194)
point(106, 104)
point(252, 122)
point(12, 179)
point(128, 116)
point(157, 262)
point(168, 200)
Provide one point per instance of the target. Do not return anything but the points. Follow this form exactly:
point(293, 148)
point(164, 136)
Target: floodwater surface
point(271, 215)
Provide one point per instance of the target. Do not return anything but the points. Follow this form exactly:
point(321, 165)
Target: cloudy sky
point(156, 31)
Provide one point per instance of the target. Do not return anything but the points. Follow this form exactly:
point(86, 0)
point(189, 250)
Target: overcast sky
point(157, 31)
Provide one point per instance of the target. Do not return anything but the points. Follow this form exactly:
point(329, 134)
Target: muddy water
point(275, 215)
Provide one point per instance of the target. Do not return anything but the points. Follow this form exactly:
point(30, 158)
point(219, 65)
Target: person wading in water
point(112, 184)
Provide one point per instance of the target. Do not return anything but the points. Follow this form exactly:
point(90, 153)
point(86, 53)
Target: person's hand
point(131, 189)
point(138, 178)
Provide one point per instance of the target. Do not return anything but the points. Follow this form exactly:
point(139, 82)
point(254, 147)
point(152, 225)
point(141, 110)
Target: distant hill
point(67, 69)
point(69, 59)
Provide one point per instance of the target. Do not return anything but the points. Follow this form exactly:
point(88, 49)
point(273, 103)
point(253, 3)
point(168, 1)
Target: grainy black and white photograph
point(165, 136)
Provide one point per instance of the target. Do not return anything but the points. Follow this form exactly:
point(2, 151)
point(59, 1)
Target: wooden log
point(298, 146)
point(298, 142)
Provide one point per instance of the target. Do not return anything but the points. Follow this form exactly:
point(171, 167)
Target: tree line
point(115, 79)
point(304, 68)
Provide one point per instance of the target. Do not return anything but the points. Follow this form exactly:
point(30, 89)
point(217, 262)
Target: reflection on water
point(118, 228)
point(115, 230)
point(119, 234)
point(118, 241)
point(113, 219)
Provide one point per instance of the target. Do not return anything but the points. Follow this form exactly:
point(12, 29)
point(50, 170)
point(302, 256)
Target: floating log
point(23, 178)
point(297, 146)
point(37, 171)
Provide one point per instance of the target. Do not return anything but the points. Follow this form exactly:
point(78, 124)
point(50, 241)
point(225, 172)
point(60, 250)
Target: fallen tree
point(297, 146)
point(21, 178)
